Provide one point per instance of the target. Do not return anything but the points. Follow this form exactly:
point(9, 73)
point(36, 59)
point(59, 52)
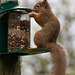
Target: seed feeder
point(15, 30)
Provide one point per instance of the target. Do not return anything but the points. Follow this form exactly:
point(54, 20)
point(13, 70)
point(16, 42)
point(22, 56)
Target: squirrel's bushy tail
point(58, 59)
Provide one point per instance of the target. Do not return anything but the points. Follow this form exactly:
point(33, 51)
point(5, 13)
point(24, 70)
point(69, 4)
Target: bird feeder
point(15, 30)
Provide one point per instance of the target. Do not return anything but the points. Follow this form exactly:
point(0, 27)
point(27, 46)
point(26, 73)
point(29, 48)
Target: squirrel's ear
point(45, 3)
point(44, 0)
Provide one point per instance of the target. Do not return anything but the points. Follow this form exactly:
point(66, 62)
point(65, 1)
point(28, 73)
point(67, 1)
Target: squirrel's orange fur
point(47, 36)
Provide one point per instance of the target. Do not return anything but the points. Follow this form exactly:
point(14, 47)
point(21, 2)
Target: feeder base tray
point(27, 51)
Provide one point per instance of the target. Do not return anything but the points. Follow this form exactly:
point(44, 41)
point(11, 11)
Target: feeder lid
point(22, 8)
point(7, 6)
point(11, 5)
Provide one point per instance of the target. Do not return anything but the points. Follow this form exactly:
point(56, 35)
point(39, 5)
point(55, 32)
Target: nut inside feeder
point(18, 30)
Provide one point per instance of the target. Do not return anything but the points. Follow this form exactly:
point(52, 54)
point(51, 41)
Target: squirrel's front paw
point(31, 15)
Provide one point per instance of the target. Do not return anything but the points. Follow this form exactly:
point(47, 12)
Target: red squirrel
point(47, 36)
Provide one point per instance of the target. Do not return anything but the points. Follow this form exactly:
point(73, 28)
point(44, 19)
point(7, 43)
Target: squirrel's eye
point(37, 5)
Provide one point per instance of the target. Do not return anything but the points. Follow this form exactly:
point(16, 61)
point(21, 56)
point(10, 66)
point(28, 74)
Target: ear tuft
point(45, 0)
point(45, 3)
